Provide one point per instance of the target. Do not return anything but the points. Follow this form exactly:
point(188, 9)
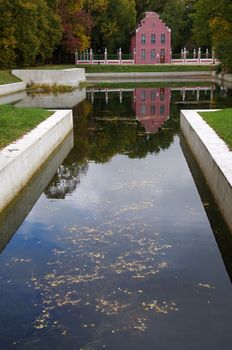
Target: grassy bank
point(133, 68)
point(6, 77)
point(221, 122)
point(15, 122)
point(145, 68)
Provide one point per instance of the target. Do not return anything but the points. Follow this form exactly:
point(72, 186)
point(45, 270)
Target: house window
point(162, 52)
point(152, 109)
point(162, 95)
point(162, 38)
point(153, 93)
point(152, 38)
point(152, 54)
point(162, 110)
point(143, 54)
point(143, 39)
point(143, 109)
point(143, 95)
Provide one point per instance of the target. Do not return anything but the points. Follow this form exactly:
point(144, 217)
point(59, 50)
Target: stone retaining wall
point(213, 157)
point(21, 159)
point(6, 89)
point(149, 76)
point(70, 77)
point(13, 216)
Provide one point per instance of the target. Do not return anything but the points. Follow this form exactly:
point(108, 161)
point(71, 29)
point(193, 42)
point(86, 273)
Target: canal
point(120, 245)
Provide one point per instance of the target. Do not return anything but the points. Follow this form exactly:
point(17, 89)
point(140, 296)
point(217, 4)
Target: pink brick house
point(152, 41)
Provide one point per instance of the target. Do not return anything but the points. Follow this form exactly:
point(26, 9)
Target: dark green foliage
point(7, 37)
point(213, 27)
point(174, 17)
point(149, 5)
point(114, 21)
point(29, 32)
point(32, 30)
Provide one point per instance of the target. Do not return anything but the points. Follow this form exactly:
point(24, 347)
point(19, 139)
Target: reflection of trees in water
point(101, 133)
point(106, 132)
point(66, 180)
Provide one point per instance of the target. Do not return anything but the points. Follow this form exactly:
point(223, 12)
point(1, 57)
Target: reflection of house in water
point(152, 107)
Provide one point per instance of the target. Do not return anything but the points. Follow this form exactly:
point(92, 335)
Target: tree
point(119, 25)
point(114, 21)
point(213, 27)
point(149, 5)
point(7, 37)
point(49, 31)
point(30, 31)
point(76, 25)
point(174, 16)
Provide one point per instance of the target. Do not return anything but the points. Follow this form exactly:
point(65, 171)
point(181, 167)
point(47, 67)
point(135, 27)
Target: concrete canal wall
point(70, 77)
point(213, 157)
point(13, 216)
point(149, 76)
point(6, 89)
point(21, 159)
point(59, 101)
point(223, 79)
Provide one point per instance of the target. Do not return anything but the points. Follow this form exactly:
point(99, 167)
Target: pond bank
point(67, 77)
point(21, 159)
point(149, 76)
point(11, 88)
point(213, 157)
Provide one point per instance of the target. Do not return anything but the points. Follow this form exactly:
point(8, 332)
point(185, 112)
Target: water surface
point(119, 251)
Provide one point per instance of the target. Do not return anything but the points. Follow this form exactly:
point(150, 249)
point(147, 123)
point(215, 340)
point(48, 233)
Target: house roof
point(148, 14)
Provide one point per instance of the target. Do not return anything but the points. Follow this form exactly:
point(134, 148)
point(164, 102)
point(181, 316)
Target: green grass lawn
point(132, 68)
point(15, 122)
point(145, 68)
point(221, 122)
point(6, 77)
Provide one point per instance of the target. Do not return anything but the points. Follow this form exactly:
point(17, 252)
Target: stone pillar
point(105, 55)
point(106, 96)
point(211, 93)
point(92, 95)
point(185, 54)
point(134, 55)
point(91, 56)
point(76, 57)
point(199, 55)
point(194, 54)
point(120, 55)
point(183, 96)
point(182, 54)
point(198, 93)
